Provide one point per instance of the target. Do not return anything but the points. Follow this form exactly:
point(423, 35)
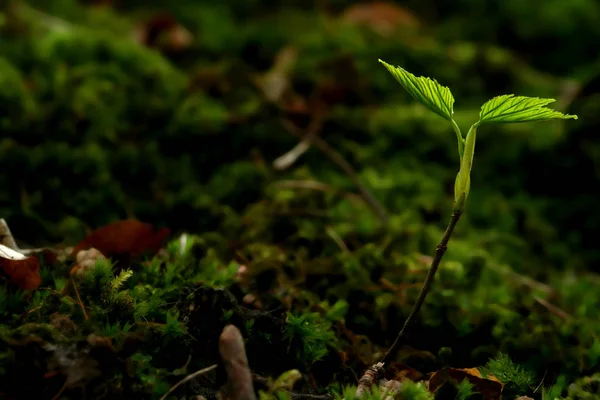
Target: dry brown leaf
point(21, 270)
point(128, 238)
point(490, 388)
point(381, 16)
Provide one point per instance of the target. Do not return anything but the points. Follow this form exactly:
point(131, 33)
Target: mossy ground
point(106, 114)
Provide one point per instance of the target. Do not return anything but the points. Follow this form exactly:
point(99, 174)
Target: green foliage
point(415, 391)
point(337, 311)
point(101, 127)
point(173, 328)
point(310, 334)
point(516, 379)
point(555, 391)
point(507, 108)
point(585, 388)
point(282, 386)
point(434, 96)
point(465, 390)
point(409, 390)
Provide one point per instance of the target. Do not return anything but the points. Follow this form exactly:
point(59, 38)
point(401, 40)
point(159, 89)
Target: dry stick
point(79, 298)
point(439, 253)
point(553, 309)
point(374, 372)
point(345, 166)
point(189, 378)
point(286, 160)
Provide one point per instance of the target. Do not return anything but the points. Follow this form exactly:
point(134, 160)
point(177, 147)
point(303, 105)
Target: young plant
point(501, 109)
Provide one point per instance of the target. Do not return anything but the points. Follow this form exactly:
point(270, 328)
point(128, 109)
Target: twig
point(376, 370)
point(286, 160)
point(439, 253)
point(337, 239)
point(79, 298)
point(553, 309)
point(189, 378)
point(344, 166)
point(239, 379)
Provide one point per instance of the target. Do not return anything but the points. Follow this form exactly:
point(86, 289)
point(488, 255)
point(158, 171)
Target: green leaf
point(436, 97)
point(508, 108)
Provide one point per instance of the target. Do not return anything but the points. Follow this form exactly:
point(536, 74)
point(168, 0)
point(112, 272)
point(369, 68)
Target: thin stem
point(459, 137)
point(435, 263)
point(189, 378)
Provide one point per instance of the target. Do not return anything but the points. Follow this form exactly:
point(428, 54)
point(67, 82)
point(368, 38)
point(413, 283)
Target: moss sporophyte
point(506, 108)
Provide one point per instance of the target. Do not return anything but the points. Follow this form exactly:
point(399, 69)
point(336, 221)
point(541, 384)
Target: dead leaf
point(490, 387)
point(23, 271)
point(383, 17)
point(124, 239)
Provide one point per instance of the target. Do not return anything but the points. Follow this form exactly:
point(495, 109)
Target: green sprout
point(501, 109)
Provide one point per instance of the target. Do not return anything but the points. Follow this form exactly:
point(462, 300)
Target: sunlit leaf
point(428, 91)
point(508, 108)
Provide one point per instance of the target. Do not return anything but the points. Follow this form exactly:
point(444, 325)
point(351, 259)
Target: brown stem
point(375, 372)
point(435, 263)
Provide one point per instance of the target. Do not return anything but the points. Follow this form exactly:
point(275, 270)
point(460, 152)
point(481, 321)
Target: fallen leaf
point(124, 239)
point(490, 387)
point(383, 17)
point(23, 271)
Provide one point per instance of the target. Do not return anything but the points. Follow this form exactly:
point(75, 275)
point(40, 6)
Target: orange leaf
point(21, 270)
point(128, 238)
point(490, 388)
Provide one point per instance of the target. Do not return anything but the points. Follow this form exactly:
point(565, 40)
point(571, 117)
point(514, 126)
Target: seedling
point(506, 108)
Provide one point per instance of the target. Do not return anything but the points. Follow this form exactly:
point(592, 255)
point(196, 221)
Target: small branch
point(286, 160)
point(189, 378)
point(553, 309)
point(344, 166)
point(374, 373)
point(337, 239)
point(79, 299)
point(439, 253)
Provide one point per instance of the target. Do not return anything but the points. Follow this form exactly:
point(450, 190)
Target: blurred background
point(172, 112)
point(189, 113)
